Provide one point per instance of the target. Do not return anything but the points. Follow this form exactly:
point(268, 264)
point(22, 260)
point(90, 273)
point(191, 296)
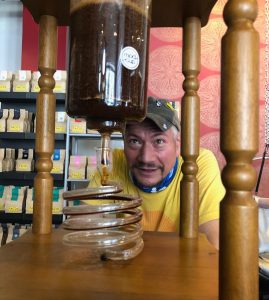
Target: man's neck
point(161, 185)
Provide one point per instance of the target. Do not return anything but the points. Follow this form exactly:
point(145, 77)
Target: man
point(150, 165)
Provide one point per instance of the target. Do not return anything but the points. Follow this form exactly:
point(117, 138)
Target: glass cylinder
point(104, 163)
point(108, 60)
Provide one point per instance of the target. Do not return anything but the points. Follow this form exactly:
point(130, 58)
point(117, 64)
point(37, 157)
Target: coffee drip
point(108, 63)
point(107, 86)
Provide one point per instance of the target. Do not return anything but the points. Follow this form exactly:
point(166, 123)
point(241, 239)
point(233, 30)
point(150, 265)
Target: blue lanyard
point(160, 186)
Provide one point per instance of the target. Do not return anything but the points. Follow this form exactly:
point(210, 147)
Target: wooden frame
point(238, 272)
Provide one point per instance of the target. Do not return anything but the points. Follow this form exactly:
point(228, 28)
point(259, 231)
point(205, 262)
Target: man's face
point(150, 152)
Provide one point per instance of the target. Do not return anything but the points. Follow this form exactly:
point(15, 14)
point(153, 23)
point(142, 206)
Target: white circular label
point(129, 57)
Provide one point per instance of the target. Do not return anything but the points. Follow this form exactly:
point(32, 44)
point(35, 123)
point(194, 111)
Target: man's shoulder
point(206, 162)
point(118, 150)
point(206, 153)
point(118, 153)
point(119, 159)
point(207, 159)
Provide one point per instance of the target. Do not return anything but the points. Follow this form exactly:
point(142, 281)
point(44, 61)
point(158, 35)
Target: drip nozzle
point(104, 158)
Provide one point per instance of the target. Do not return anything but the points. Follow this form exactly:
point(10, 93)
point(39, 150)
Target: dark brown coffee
point(108, 63)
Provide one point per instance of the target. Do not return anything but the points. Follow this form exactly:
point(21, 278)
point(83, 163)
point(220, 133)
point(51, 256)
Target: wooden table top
point(41, 267)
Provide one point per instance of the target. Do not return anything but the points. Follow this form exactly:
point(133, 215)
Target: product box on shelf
point(6, 81)
point(23, 75)
point(3, 119)
point(29, 201)
point(30, 122)
point(34, 86)
point(60, 122)
point(14, 203)
point(21, 86)
point(60, 75)
point(21, 82)
point(35, 75)
point(60, 86)
point(60, 81)
point(18, 120)
point(5, 193)
point(77, 167)
point(77, 126)
point(58, 159)
point(34, 82)
point(8, 162)
point(5, 86)
point(57, 200)
point(91, 167)
point(2, 156)
point(25, 161)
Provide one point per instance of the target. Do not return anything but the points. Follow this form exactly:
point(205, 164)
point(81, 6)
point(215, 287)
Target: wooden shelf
point(26, 175)
point(23, 218)
point(26, 136)
point(29, 96)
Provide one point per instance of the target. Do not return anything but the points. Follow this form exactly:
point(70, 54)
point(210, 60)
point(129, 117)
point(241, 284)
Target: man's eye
point(133, 141)
point(159, 141)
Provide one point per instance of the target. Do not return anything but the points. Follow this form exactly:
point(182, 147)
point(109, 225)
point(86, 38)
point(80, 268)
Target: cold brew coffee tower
point(108, 64)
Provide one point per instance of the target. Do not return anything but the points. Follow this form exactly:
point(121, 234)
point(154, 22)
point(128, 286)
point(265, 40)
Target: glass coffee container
point(108, 60)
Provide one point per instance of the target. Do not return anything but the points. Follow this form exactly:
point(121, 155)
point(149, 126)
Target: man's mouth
point(147, 170)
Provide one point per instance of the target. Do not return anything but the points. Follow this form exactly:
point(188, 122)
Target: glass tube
point(114, 244)
point(111, 230)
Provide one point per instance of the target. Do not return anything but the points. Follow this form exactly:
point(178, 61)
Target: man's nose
point(146, 153)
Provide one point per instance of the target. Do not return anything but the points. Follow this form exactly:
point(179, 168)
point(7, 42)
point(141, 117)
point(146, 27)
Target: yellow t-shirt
point(161, 210)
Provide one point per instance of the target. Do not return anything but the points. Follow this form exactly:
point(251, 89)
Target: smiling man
point(150, 166)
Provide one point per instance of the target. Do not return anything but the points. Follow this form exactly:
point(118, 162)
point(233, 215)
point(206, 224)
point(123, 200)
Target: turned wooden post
point(238, 271)
point(45, 125)
point(189, 187)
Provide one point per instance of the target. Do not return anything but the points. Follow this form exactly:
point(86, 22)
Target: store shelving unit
point(26, 100)
point(26, 140)
point(69, 141)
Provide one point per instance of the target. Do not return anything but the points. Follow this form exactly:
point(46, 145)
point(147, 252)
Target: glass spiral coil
point(111, 229)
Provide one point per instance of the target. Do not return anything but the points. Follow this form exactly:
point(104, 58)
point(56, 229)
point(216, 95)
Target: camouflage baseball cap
point(162, 113)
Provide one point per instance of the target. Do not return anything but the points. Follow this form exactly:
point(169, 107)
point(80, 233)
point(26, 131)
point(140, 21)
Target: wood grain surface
point(169, 267)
